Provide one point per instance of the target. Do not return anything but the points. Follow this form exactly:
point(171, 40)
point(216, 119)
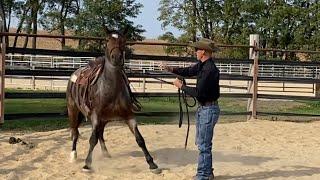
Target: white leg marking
point(73, 156)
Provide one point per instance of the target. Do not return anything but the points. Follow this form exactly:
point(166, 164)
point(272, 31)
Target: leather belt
point(209, 103)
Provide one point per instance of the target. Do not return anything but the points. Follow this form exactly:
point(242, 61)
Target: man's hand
point(164, 66)
point(178, 83)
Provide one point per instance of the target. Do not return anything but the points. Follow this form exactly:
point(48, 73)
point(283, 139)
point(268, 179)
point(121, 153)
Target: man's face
point(199, 53)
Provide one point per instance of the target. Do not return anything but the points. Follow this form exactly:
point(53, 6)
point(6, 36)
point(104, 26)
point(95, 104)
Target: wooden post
point(316, 86)
point(253, 85)
point(317, 90)
point(2, 73)
point(144, 82)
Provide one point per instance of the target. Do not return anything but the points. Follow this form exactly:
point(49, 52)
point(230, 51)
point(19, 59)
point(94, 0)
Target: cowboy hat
point(205, 44)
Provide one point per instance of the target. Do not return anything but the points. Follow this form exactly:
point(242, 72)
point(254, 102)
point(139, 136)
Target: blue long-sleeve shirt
point(207, 87)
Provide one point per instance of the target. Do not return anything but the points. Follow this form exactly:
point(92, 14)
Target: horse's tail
point(135, 103)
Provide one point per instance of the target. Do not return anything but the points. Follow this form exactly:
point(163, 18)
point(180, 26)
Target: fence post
point(144, 82)
point(253, 84)
point(2, 72)
point(317, 90)
point(316, 86)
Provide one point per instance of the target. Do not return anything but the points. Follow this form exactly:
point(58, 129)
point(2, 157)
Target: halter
point(116, 36)
point(123, 53)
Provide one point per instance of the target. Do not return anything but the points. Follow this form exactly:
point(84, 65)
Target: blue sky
point(148, 19)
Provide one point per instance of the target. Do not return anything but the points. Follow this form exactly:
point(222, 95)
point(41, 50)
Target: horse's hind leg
point(74, 120)
point(134, 129)
point(104, 149)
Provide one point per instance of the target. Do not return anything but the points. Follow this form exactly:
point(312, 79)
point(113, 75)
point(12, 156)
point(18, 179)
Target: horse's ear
point(126, 29)
point(107, 30)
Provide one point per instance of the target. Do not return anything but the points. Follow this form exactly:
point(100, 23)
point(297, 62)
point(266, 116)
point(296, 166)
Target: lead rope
point(136, 104)
point(182, 95)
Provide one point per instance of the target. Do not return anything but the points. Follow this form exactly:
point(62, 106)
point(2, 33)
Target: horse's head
point(115, 47)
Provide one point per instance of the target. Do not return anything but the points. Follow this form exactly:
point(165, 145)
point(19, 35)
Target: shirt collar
point(203, 63)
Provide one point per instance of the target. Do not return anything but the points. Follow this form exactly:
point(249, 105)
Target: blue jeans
point(206, 119)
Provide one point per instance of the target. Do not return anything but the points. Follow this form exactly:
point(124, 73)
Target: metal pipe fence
point(17, 61)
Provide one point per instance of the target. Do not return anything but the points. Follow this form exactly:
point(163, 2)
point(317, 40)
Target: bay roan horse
point(109, 99)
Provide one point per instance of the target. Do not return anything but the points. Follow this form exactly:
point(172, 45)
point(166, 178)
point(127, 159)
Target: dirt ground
point(243, 150)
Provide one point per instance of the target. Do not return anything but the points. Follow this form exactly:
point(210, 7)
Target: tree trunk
point(26, 9)
point(4, 24)
point(205, 23)
point(77, 13)
point(63, 15)
point(198, 17)
point(28, 32)
point(34, 16)
point(9, 18)
point(194, 21)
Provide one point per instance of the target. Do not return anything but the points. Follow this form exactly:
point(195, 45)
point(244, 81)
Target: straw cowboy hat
point(205, 44)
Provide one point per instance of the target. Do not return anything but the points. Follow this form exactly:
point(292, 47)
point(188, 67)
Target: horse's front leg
point(93, 142)
point(104, 149)
point(134, 129)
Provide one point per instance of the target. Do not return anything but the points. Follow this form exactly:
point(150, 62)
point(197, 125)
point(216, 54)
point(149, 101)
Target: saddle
point(85, 78)
point(90, 73)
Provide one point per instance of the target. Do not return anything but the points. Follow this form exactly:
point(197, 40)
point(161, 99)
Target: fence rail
point(253, 70)
point(14, 61)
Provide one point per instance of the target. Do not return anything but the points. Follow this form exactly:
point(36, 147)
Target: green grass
point(307, 107)
point(35, 124)
point(15, 106)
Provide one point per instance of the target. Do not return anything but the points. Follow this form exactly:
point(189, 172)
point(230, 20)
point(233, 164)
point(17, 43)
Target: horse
point(104, 98)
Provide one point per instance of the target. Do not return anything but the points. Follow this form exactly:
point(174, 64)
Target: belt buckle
point(210, 103)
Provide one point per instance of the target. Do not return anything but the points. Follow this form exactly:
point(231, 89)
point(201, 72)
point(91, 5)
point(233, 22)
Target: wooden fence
point(253, 77)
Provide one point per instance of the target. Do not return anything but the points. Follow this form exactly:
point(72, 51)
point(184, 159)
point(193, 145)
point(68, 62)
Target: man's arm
point(186, 72)
point(202, 85)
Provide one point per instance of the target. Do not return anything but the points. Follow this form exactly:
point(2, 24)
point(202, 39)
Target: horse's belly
point(118, 111)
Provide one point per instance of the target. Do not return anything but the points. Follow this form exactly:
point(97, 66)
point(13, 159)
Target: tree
point(6, 7)
point(56, 15)
point(217, 20)
point(34, 18)
point(21, 11)
point(94, 16)
point(3, 17)
point(31, 17)
point(286, 24)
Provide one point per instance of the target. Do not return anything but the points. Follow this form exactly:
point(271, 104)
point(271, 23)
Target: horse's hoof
point(156, 171)
point(153, 166)
point(106, 155)
point(73, 156)
point(86, 169)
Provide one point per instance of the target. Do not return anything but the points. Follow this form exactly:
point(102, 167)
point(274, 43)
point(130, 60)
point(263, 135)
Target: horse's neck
point(111, 76)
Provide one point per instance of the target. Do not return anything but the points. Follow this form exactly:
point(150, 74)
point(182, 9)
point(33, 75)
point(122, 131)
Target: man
point(207, 92)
